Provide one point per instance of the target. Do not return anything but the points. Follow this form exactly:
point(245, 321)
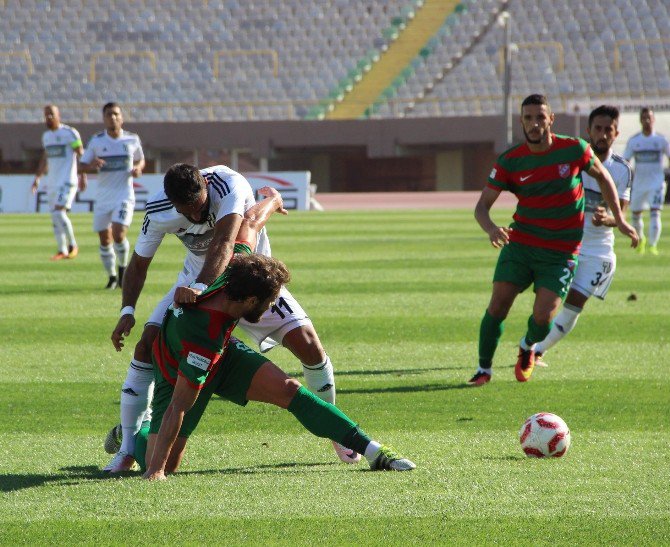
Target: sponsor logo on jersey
point(492, 175)
point(55, 151)
point(116, 163)
point(198, 361)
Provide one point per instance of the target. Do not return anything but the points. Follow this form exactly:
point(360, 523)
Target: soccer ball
point(544, 435)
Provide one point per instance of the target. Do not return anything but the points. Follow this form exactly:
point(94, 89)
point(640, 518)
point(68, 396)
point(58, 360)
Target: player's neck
point(647, 132)
point(114, 133)
point(542, 146)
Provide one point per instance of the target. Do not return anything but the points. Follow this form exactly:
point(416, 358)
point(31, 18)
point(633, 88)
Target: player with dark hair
point(194, 357)
point(540, 247)
point(597, 261)
point(647, 148)
point(204, 208)
point(117, 156)
point(62, 148)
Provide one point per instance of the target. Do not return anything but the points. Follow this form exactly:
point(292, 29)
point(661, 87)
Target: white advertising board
point(16, 195)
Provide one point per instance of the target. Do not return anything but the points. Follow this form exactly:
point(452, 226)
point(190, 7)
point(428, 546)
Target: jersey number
point(565, 278)
point(281, 303)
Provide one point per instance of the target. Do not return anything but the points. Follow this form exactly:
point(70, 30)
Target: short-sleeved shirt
point(229, 193)
point(550, 212)
point(648, 152)
point(599, 240)
point(192, 340)
point(115, 182)
point(60, 146)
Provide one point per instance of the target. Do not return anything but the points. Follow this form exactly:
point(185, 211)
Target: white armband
point(127, 310)
point(198, 286)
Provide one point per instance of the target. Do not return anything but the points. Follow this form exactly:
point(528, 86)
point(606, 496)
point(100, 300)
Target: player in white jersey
point(117, 156)
point(204, 209)
point(597, 262)
point(648, 149)
point(62, 148)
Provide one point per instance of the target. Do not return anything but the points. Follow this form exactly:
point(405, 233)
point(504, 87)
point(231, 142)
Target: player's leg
point(563, 323)
point(121, 220)
point(68, 194)
point(638, 203)
point(287, 322)
point(102, 224)
point(251, 377)
point(654, 230)
point(511, 277)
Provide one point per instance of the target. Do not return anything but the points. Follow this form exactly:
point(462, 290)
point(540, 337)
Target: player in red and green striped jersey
point(195, 357)
point(540, 247)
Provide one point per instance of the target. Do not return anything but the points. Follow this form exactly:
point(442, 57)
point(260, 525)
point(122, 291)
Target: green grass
point(396, 298)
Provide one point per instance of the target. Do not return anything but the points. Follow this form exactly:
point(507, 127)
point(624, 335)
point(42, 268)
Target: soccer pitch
point(396, 298)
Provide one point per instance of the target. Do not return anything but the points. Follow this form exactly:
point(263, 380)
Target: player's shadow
point(405, 389)
point(286, 467)
point(397, 372)
point(504, 458)
point(66, 477)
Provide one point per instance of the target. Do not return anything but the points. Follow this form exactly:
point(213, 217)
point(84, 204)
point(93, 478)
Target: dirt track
point(406, 200)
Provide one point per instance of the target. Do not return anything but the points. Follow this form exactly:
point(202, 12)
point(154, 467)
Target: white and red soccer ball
point(544, 435)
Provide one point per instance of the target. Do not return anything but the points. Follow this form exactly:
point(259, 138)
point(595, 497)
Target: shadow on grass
point(316, 467)
point(68, 476)
point(407, 389)
point(505, 458)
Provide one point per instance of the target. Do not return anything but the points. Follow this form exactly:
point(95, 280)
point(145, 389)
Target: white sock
point(488, 371)
point(321, 380)
point(564, 322)
point(371, 451)
point(136, 395)
point(59, 230)
point(524, 345)
point(69, 230)
point(122, 251)
point(108, 259)
point(654, 227)
point(638, 224)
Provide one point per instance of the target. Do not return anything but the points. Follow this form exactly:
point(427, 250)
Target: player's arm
point(609, 193)
point(133, 282)
point(183, 398)
point(498, 235)
point(83, 181)
point(41, 170)
point(601, 217)
point(138, 167)
point(257, 216)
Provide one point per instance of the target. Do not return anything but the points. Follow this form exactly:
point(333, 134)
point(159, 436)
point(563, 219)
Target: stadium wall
point(423, 154)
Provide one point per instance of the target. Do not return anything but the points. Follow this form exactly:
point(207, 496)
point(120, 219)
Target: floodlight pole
point(506, 20)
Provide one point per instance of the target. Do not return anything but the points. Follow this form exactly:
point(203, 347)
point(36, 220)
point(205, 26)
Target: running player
point(204, 209)
point(647, 148)
point(195, 357)
point(62, 147)
point(117, 156)
point(597, 261)
point(540, 247)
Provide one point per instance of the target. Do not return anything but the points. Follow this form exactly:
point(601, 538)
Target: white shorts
point(594, 275)
point(643, 198)
point(105, 214)
point(284, 316)
point(63, 196)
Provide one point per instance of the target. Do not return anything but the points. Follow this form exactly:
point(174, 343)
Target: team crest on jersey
point(493, 173)
point(571, 264)
point(564, 170)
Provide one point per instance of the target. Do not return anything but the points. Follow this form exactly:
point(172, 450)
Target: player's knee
point(304, 343)
point(290, 388)
point(146, 341)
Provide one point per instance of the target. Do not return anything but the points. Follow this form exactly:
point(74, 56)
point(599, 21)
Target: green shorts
point(522, 265)
point(231, 381)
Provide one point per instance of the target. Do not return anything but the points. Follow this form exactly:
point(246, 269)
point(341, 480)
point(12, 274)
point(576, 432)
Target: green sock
point(141, 440)
point(325, 420)
point(536, 333)
point(490, 331)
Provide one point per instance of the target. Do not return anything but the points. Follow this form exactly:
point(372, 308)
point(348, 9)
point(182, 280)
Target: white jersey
point(648, 151)
point(60, 146)
point(229, 193)
point(115, 183)
point(599, 240)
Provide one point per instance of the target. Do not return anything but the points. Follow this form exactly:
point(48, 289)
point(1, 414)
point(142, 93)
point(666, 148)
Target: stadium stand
point(200, 60)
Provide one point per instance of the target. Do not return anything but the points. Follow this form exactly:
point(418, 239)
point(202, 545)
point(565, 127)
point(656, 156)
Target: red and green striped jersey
point(550, 212)
point(192, 340)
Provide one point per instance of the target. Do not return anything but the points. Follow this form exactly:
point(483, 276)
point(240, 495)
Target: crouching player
point(195, 357)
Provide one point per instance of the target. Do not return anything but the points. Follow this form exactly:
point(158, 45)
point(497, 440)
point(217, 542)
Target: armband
point(127, 310)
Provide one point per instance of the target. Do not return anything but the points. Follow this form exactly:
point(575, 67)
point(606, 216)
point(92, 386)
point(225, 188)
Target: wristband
point(127, 310)
point(198, 286)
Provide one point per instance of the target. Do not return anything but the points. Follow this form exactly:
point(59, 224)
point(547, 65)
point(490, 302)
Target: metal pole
point(507, 77)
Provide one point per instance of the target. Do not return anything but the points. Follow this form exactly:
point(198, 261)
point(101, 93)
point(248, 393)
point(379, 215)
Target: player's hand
point(270, 192)
point(83, 182)
point(499, 236)
point(154, 475)
point(185, 295)
point(136, 172)
point(123, 328)
point(97, 163)
point(35, 185)
point(599, 216)
point(627, 230)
